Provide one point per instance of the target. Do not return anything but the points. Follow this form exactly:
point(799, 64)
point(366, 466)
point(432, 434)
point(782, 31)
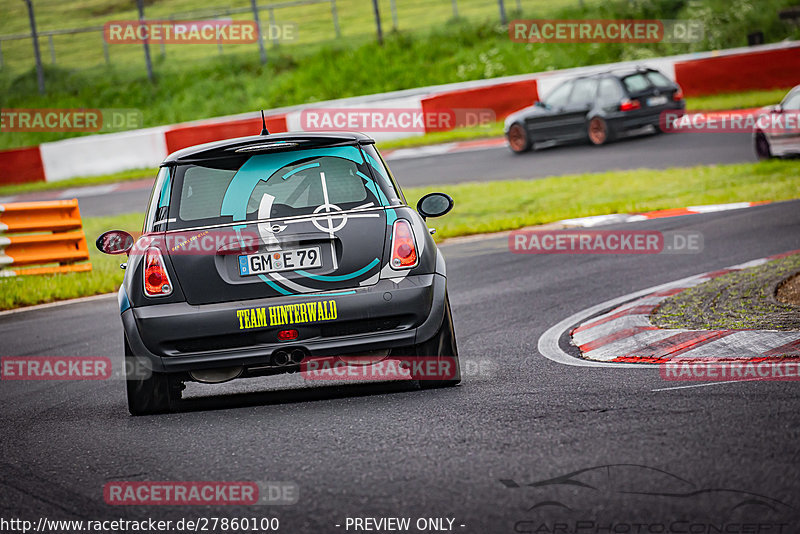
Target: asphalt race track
point(643, 151)
point(465, 453)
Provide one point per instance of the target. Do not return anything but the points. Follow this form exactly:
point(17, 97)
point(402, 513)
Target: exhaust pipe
point(280, 357)
point(215, 376)
point(297, 355)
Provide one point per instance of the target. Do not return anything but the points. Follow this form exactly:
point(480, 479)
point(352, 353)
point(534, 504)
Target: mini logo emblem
point(275, 228)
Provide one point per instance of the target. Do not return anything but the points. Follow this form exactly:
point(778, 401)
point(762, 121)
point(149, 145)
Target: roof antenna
point(264, 130)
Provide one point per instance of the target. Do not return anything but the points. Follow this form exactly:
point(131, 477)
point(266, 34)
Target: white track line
point(707, 384)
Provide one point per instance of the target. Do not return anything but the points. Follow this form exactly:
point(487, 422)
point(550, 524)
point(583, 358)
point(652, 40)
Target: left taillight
point(677, 95)
point(629, 105)
point(404, 248)
point(156, 279)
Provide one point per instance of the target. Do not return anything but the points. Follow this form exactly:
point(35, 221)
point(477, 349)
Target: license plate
point(280, 260)
point(656, 101)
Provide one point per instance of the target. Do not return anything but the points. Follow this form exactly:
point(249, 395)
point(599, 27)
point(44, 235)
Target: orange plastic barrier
point(185, 136)
point(21, 165)
point(770, 69)
point(50, 233)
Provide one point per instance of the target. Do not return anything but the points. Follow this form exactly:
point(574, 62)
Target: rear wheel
point(763, 150)
point(442, 345)
point(599, 132)
point(149, 392)
point(518, 139)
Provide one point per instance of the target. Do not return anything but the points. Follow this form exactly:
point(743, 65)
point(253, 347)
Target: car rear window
point(659, 80)
point(636, 83)
point(275, 185)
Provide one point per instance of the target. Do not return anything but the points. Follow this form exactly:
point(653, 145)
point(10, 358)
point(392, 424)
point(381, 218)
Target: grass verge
point(509, 204)
point(741, 300)
point(424, 54)
point(742, 100)
point(435, 138)
point(482, 208)
point(104, 277)
point(102, 179)
point(749, 99)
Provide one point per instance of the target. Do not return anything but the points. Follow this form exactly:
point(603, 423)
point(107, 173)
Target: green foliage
point(456, 50)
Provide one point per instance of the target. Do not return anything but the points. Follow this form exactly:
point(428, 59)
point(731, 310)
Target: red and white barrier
point(758, 67)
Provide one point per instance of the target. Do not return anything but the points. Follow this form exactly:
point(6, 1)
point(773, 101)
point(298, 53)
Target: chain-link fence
point(315, 22)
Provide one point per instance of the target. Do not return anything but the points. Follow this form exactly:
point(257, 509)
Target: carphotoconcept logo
point(605, 31)
point(604, 242)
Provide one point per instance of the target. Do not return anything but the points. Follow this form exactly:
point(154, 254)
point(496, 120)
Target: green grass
point(743, 100)
point(430, 51)
point(433, 138)
point(485, 207)
point(741, 300)
point(104, 277)
point(314, 24)
point(121, 176)
point(510, 204)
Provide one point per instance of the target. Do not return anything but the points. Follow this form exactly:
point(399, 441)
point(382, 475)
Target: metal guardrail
point(49, 233)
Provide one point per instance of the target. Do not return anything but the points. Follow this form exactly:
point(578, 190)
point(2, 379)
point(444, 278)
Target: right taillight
point(156, 279)
point(677, 95)
point(629, 105)
point(404, 248)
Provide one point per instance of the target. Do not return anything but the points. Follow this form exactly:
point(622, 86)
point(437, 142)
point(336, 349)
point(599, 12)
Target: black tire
point(761, 145)
point(442, 344)
point(517, 138)
point(599, 132)
point(148, 392)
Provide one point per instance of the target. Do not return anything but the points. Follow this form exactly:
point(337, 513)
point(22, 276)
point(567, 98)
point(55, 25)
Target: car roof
point(270, 143)
point(619, 72)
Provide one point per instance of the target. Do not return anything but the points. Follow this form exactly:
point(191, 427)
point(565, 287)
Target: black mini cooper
point(262, 253)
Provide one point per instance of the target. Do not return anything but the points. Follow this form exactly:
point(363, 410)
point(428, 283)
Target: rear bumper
point(180, 337)
point(649, 117)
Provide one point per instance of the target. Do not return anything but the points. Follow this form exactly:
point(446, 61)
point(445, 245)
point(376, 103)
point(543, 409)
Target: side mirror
point(434, 205)
point(778, 109)
point(115, 242)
